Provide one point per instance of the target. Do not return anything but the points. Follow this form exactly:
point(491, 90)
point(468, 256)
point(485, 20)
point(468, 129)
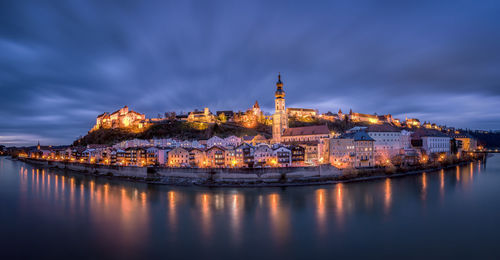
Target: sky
point(62, 63)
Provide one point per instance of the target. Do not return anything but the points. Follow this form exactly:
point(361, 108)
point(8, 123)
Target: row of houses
point(383, 144)
point(243, 155)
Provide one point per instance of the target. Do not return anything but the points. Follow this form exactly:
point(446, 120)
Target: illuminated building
point(412, 122)
point(263, 155)
point(215, 140)
point(280, 118)
point(431, 141)
point(245, 155)
point(216, 157)
point(354, 149)
point(178, 157)
point(254, 139)
point(122, 118)
point(282, 157)
point(366, 118)
point(197, 157)
point(465, 142)
point(305, 134)
point(204, 116)
point(387, 141)
point(302, 112)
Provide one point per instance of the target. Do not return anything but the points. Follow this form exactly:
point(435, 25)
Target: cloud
point(63, 63)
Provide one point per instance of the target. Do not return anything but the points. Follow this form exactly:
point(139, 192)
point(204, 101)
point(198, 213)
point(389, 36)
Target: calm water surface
point(49, 214)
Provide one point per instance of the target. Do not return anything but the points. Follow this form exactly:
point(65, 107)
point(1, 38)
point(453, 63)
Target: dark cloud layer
point(64, 62)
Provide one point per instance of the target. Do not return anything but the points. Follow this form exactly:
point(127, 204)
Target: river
point(52, 214)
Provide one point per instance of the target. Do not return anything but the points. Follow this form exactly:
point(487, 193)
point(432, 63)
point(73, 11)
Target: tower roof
point(280, 93)
point(256, 105)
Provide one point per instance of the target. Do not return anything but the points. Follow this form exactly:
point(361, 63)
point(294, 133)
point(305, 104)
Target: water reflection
point(320, 210)
point(424, 186)
point(137, 216)
point(387, 196)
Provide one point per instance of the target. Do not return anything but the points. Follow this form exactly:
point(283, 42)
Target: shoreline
point(235, 178)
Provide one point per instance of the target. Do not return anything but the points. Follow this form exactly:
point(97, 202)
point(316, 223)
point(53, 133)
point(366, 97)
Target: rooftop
point(307, 130)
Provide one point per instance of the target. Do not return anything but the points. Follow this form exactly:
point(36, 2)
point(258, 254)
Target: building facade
point(352, 150)
point(280, 118)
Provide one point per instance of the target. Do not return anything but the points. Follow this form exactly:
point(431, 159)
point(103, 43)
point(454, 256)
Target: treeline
point(488, 140)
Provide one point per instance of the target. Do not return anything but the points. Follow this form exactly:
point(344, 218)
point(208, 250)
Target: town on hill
point(289, 137)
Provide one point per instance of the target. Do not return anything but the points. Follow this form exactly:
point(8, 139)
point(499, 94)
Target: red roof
point(307, 130)
point(382, 128)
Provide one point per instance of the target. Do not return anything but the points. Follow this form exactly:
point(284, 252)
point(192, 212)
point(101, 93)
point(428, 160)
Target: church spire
point(280, 93)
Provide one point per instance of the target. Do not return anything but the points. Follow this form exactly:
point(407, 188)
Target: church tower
point(280, 118)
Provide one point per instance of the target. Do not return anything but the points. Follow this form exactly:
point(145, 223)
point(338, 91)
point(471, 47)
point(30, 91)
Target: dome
point(280, 93)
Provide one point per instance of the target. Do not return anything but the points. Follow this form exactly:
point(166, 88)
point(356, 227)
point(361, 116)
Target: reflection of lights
point(457, 174)
point(387, 194)
point(424, 185)
point(441, 181)
point(320, 209)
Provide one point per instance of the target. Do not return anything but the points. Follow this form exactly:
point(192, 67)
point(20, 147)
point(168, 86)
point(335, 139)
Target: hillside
point(173, 129)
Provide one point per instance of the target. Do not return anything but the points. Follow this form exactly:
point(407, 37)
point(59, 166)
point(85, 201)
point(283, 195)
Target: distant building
point(465, 142)
point(204, 116)
point(431, 141)
point(254, 139)
point(232, 141)
point(122, 118)
point(215, 140)
point(412, 123)
point(302, 112)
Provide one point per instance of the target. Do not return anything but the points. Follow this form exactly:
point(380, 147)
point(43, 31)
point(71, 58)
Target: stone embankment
point(200, 176)
point(237, 177)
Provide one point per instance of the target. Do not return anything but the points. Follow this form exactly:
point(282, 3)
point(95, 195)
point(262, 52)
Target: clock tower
point(280, 118)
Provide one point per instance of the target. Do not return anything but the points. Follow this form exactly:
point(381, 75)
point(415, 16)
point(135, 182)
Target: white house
point(216, 141)
point(431, 141)
point(282, 156)
point(263, 154)
point(232, 141)
point(387, 140)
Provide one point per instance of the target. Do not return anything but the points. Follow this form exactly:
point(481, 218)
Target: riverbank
point(240, 177)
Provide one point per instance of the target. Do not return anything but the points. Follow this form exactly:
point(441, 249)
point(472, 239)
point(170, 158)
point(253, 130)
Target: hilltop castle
point(122, 118)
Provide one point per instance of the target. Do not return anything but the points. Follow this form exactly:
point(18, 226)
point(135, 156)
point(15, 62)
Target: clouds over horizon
point(63, 63)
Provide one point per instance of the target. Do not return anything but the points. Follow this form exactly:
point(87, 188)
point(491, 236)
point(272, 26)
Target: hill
point(172, 129)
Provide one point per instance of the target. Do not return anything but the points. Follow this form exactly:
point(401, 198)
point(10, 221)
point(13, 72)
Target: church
point(282, 133)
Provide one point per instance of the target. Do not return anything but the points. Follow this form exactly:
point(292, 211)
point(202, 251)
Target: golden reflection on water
point(387, 195)
point(279, 219)
point(339, 203)
point(441, 183)
point(236, 215)
point(172, 212)
point(471, 171)
point(122, 211)
point(206, 217)
point(113, 214)
point(424, 186)
point(320, 210)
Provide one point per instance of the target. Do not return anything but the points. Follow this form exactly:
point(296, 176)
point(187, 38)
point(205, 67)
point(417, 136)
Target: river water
point(52, 214)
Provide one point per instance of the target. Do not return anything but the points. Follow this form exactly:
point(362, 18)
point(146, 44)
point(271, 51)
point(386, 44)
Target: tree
point(222, 118)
